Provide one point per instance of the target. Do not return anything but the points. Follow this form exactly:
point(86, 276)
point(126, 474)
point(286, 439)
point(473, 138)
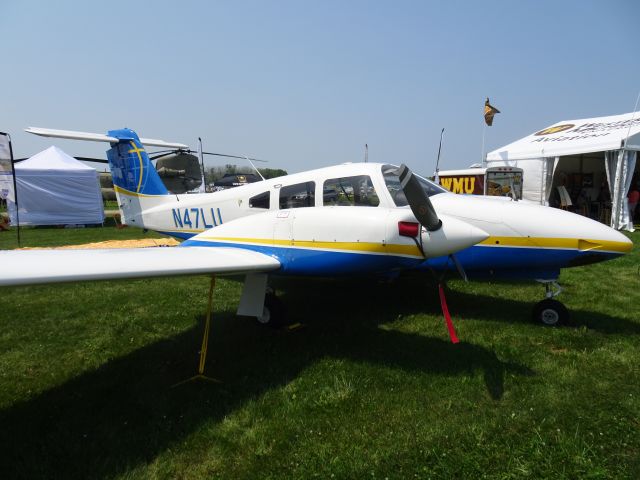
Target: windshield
point(392, 181)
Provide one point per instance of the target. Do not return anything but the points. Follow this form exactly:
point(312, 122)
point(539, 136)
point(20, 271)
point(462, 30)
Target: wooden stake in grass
point(205, 341)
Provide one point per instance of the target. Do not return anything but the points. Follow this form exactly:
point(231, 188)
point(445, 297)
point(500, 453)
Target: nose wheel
point(550, 312)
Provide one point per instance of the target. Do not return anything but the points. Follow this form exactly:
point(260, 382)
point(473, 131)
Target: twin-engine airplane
point(362, 219)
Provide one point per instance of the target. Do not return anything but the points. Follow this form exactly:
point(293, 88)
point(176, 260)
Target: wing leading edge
point(26, 267)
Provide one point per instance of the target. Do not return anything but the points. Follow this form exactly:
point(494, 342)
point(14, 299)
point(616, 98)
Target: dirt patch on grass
point(141, 243)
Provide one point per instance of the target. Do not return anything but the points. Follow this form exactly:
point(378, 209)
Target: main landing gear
point(273, 312)
point(550, 311)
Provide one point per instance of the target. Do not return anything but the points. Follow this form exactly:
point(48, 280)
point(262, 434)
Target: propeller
point(91, 159)
point(423, 209)
point(162, 153)
point(418, 200)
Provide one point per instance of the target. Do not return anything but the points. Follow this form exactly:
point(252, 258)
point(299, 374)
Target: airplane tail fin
point(131, 168)
point(132, 171)
point(136, 182)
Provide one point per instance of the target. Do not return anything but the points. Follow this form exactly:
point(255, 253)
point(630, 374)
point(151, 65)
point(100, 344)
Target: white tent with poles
point(56, 189)
point(579, 156)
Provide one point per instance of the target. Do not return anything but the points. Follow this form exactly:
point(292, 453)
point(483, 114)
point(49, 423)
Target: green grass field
point(370, 388)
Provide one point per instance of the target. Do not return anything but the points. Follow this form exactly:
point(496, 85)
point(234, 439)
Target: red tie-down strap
point(447, 317)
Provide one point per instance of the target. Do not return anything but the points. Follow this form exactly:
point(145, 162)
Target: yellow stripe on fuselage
point(366, 247)
point(558, 243)
point(412, 250)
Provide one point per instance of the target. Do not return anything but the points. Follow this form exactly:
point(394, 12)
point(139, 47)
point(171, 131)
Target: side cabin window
point(260, 201)
point(298, 196)
point(354, 191)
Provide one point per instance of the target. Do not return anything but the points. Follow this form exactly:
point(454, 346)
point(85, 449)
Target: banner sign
point(588, 129)
point(6, 169)
point(575, 137)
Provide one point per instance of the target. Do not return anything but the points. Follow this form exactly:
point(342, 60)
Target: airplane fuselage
point(345, 220)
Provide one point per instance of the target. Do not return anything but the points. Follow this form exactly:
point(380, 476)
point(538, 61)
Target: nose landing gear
point(550, 311)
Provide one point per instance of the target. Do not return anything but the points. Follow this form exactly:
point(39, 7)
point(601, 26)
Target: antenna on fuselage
point(366, 153)
point(437, 176)
point(254, 167)
point(203, 186)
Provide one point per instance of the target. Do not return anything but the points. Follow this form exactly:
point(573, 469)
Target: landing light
point(408, 229)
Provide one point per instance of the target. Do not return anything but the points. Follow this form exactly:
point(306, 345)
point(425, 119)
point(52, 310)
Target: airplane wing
point(25, 267)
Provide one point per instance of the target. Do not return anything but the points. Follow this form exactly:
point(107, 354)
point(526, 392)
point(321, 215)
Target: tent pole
point(632, 117)
point(484, 131)
point(15, 189)
point(437, 174)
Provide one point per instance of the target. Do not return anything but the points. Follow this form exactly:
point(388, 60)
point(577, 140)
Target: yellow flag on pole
point(489, 112)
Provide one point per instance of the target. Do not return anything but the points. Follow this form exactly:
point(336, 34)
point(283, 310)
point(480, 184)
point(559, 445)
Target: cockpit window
point(260, 201)
point(298, 196)
point(355, 191)
point(392, 181)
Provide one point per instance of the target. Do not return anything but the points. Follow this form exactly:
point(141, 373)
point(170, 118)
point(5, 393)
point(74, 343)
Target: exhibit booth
point(56, 189)
point(586, 166)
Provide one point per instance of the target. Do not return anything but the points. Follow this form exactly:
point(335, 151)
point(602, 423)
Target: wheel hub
point(549, 316)
point(265, 317)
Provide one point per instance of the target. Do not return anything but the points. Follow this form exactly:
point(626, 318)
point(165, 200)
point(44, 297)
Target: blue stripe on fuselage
point(479, 262)
point(511, 262)
point(182, 235)
point(321, 263)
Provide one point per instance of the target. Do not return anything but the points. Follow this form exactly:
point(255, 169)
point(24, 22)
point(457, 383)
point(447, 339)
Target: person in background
point(4, 223)
point(603, 195)
point(633, 197)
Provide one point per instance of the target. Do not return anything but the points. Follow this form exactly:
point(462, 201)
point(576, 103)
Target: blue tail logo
point(131, 168)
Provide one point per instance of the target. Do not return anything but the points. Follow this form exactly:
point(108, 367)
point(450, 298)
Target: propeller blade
point(418, 200)
point(92, 159)
point(235, 156)
point(162, 153)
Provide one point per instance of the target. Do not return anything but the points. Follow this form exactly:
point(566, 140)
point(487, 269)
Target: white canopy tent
point(56, 189)
point(603, 144)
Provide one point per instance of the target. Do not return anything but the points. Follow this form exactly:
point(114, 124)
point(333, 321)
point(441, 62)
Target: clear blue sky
point(307, 83)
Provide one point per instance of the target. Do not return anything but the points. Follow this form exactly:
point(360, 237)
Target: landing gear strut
point(550, 311)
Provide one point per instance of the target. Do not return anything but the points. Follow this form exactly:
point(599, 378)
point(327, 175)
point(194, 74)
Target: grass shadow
point(486, 307)
point(419, 294)
point(110, 420)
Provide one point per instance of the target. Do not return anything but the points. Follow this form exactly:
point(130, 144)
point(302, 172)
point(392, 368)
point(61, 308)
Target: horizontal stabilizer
point(26, 267)
point(97, 137)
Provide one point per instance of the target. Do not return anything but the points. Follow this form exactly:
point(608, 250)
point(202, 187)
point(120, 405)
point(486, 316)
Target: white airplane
point(361, 219)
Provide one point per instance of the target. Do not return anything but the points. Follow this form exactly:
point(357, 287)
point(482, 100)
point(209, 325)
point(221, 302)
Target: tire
point(273, 313)
point(550, 312)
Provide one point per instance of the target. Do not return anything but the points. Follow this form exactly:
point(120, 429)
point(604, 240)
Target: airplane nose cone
point(604, 237)
point(454, 235)
point(604, 243)
point(625, 243)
